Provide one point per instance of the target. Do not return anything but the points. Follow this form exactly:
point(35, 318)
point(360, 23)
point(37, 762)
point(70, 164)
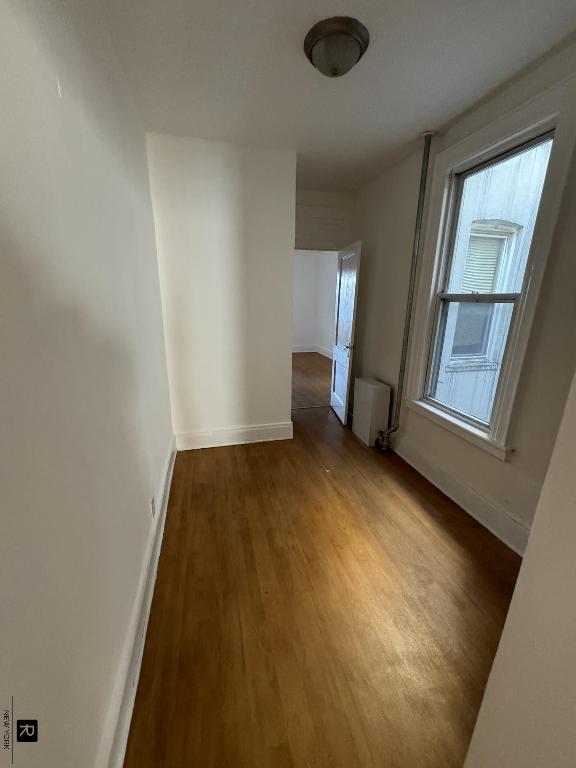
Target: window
point(482, 279)
point(482, 260)
point(471, 332)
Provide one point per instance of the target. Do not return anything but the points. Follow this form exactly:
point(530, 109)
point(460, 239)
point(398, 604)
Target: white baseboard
point(324, 351)
point(113, 748)
point(258, 433)
point(301, 348)
point(513, 533)
point(315, 348)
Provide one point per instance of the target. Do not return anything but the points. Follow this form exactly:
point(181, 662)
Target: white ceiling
point(234, 70)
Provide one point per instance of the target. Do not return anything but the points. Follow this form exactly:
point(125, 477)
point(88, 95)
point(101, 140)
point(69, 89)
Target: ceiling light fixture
point(335, 45)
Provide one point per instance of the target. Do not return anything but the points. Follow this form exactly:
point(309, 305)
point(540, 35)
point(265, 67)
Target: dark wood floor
point(311, 377)
point(317, 606)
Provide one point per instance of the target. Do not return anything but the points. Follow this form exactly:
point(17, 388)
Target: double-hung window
point(481, 280)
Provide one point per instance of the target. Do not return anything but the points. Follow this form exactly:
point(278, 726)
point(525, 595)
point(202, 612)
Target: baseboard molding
point(513, 533)
point(259, 433)
point(324, 351)
point(130, 668)
point(320, 350)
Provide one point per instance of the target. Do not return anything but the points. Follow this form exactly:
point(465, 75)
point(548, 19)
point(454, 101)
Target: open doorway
point(313, 327)
point(324, 311)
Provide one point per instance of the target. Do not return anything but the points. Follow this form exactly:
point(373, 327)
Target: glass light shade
point(335, 45)
point(334, 55)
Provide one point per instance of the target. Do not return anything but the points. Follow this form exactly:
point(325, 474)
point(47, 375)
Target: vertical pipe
point(384, 437)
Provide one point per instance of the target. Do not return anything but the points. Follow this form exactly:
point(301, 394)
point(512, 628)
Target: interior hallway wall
point(84, 403)
point(505, 493)
point(323, 219)
point(313, 320)
point(225, 231)
point(384, 218)
point(529, 709)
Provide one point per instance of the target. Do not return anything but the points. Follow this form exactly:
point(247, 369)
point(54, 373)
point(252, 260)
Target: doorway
point(313, 327)
point(311, 377)
point(324, 304)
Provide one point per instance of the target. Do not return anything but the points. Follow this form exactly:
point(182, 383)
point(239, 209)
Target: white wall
point(528, 714)
point(323, 219)
point(313, 320)
point(503, 494)
point(305, 280)
point(326, 301)
point(225, 230)
point(384, 218)
point(83, 392)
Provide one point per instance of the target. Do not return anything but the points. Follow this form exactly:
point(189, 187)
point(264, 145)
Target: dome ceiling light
point(335, 45)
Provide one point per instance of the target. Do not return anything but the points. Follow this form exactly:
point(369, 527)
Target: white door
point(346, 294)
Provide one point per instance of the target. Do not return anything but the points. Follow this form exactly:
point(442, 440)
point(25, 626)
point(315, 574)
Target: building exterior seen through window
point(496, 208)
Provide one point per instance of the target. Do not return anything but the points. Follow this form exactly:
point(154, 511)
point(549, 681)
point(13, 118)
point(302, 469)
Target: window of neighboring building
point(473, 322)
point(495, 210)
point(472, 330)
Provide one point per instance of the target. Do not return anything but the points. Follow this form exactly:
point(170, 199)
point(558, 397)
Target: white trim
point(321, 350)
point(324, 351)
point(258, 433)
point(498, 520)
point(553, 109)
point(116, 737)
point(322, 244)
point(453, 424)
point(342, 408)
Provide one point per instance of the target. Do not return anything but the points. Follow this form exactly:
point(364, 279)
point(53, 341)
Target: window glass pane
point(471, 329)
point(470, 342)
point(495, 223)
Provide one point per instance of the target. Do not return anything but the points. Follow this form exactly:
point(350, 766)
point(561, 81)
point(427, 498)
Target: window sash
point(541, 138)
point(461, 415)
point(457, 181)
point(435, 349)
point(480, 298)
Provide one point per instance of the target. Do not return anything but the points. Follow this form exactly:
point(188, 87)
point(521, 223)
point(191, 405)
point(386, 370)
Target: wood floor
point(318, 605)
point(311, 377)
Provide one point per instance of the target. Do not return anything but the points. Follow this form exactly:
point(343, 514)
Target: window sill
point(466, 431)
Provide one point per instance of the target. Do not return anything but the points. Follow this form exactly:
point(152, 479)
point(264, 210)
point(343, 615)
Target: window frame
point(444, 297)
point(554, 111)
